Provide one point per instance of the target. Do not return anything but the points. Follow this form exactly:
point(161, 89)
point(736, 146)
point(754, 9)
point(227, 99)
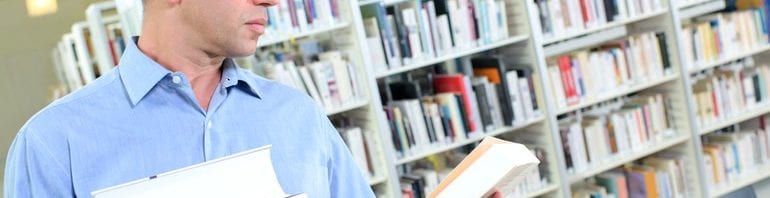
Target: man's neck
point(202, 69)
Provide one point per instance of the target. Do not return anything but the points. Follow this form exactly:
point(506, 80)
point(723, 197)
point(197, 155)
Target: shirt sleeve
point(345, 178)
point(32, 169)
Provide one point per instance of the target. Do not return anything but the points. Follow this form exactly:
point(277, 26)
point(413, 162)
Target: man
point(176, 100)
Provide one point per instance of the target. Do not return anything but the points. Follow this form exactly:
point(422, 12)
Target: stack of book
point(730, 155)
point(608, 68)
point(290, 17)
point(414, 31)
point(330, 80)
point(615, 129)
point(560, 17)
point(709, 38)
point(455, 107)
point(663, 175)
point(730, 91)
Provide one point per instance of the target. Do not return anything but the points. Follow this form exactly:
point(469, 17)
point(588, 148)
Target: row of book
point(415, 31)
point(455, 107)
point(615, 129)
point(294, 16)
point(560, 17)
point(738, 152)
point(613, 66)
point(330, 79)
point(663, 175)
point(426, 175)
point(709, 38)
point(731, 90)
point(363, 147)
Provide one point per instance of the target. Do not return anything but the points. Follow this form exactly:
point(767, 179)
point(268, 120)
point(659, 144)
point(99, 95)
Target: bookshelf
point(735, 119)
point(625, 90)
point(610, 25)
point(698, 8)
point(741, 182)
point(624, 158)
point(527, 47)
point(443, 148)
point(272, 39)
point(730, 58)
point(452, 55)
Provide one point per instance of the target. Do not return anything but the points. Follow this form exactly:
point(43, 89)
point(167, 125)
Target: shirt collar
point(139, 73)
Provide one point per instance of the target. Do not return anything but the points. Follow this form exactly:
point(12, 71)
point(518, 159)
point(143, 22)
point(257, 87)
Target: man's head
point(219, 27)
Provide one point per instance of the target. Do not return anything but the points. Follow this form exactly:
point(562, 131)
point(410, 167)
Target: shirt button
point(208, 125)
point(176, 79)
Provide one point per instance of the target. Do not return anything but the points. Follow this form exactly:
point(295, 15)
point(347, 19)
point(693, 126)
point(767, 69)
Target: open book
point(494, 166)
point(246, 174)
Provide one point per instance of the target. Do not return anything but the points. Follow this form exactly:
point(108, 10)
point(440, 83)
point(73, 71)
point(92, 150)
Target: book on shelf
point(330, 80)
point(494, 165)
point(364, 145)
point(720, 35)
point(731, 91)
point(608, 68)
point(615, 129)
point(660, 175)
point(737, 152)
point(449, 108)
point(560, 17)
point(294, 16)
point(416, 31)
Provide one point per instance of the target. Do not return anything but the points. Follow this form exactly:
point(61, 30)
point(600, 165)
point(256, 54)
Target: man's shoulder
point(101, 92)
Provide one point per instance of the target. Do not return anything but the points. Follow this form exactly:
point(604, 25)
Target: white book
point(575, 16)
point(557, 17)
point(354, 138)
point(310, 85)
point(556, 84)
point(249, 173)
point(322, 74)
point(301, 15)
point(426, 33)
point(622, 9)
point(600, 11)
point(413, 32)
point(621, 132)
point(458, 25)
point(519, 115)
point(494, 164)
point(503, 16)
point(526, 98)
point(341, 74)
point(291, 69)
point(433, 22)
point(376, 49)
point(495, 108)
point(580, 154)
point(445, 34)
point(438, 126)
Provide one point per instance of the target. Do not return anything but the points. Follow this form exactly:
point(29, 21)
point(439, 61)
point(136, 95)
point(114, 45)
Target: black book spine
point(663, 50)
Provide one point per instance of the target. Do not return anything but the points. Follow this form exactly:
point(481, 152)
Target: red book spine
point(584, 11)
point(456, 84)
point(568, 80)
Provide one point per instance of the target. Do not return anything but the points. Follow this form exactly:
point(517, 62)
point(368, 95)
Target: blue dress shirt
point(142, 119)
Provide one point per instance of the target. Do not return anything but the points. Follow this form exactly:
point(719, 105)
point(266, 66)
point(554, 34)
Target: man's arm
point(345, 178)
point(32, 170)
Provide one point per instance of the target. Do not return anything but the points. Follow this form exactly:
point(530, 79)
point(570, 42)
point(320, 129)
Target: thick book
point(492, 166)
point(249, 173)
